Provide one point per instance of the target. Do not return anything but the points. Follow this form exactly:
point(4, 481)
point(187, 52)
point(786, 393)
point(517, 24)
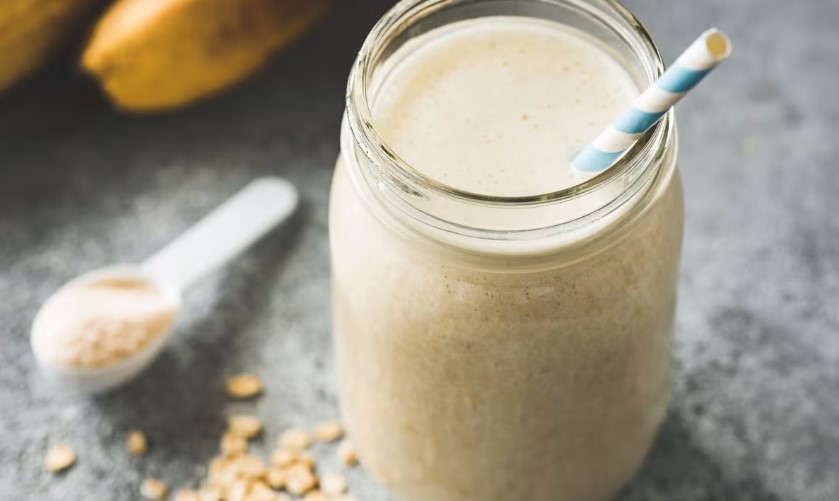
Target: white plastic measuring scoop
point(204, 248)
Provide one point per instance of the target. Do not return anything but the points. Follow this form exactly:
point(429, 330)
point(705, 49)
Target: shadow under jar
point(494, 347)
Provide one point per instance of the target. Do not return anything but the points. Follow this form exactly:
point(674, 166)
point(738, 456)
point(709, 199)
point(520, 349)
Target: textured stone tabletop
point(755, 412)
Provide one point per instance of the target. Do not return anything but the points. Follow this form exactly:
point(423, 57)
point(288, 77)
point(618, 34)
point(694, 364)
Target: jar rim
point(361, 123)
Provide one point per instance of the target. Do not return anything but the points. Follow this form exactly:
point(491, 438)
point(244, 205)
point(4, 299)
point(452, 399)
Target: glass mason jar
point(498, 348)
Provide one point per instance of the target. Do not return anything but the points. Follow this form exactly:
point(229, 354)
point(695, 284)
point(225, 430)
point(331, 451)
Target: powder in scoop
point(101, 322)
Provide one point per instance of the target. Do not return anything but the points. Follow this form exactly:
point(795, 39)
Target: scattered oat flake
point(136, 442)
point(346, 453)
point(186, 495)
point(306, 460)
point(236, 475)
point(275, 477)
point(239, 490)
point(153, 489)
point(284, 457)
point(232, 445)
point(316, 496)
point(243, 386)
point(217, 468)
point(328, 431)
point(287, 457)
point(245, 426)
point(248, 467)
point(261, 492)
point(59, 458)
point(333, 484)
point(300, 480)
point(295, 439)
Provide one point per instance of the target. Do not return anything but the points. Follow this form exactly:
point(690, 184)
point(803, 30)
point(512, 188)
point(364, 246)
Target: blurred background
point(85, 183)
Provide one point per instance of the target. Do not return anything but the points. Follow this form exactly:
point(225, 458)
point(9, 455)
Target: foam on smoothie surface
point(500, 106)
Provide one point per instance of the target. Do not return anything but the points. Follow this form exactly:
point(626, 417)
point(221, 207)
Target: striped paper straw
point(709, 50)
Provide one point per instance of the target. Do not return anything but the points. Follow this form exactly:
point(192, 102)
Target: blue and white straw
point(709, 50)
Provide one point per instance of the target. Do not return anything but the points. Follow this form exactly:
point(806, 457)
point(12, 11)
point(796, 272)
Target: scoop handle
point(224, 233)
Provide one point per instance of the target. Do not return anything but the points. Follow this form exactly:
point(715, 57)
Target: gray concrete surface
point(755, 414)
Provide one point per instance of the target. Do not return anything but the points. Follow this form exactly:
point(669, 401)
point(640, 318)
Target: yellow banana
point(33, 30)
point(154, 55)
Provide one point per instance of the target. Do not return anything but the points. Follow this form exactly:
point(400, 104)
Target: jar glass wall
point(492, 347)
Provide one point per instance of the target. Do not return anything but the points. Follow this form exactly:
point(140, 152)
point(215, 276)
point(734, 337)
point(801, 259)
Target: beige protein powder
point(98, 323)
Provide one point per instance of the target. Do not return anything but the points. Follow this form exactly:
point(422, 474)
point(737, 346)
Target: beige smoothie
point(498, 381)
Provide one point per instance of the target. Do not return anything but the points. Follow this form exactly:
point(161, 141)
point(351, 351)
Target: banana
point(157, 55)
point(33, 30)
